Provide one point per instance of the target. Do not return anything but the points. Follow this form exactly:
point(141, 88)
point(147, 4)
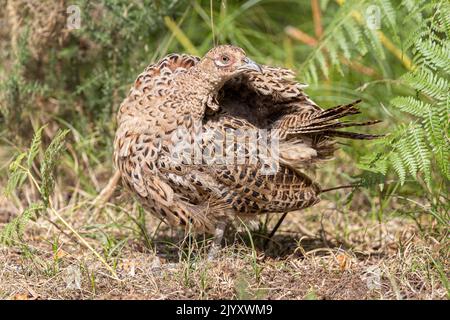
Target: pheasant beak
point(249, 64)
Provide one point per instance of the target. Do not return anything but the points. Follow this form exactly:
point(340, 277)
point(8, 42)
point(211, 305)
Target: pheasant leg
point(217, 241)
point(274, 230)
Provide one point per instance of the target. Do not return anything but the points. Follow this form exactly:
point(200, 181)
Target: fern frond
point(434, 128)
point(312, 73)
point(342, 42)
point(415, 9)
point(354, 32)
point(398, 165)
point(443, 17)
point(369, 179)
point(389, 14)
point(403, 149)
point(411, 105)
point(436, 125)
point(427, 82)
point(375, 163)
point(419, 149)
point(423, 144)
point(334, 58)
point(343, 37)
point(374, 41)
point(322, 64)
point(434, 54)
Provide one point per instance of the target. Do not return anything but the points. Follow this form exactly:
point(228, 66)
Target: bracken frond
point(420, 151)
point(398, 165)
point(412, 105)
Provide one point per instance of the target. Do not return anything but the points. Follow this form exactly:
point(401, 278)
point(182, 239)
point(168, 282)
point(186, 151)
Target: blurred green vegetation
point(76, 79)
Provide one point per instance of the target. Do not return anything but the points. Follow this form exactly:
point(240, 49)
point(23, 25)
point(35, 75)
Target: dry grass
point(338, 263)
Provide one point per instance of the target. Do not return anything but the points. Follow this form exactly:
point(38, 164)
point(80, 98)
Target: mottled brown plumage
point(222, 91)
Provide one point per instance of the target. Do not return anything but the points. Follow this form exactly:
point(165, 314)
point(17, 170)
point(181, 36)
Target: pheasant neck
point(198, 88)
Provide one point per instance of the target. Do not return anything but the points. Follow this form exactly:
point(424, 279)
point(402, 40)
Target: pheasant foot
point(217, 241)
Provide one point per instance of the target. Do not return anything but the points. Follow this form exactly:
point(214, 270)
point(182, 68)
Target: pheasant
point(183, 106)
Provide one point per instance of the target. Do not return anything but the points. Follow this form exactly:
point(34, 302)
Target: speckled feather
point(185, 91)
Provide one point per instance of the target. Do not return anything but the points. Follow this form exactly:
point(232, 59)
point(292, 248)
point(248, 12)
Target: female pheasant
point(183, 109)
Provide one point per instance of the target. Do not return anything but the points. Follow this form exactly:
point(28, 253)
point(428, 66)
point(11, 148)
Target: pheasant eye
point(223, 61)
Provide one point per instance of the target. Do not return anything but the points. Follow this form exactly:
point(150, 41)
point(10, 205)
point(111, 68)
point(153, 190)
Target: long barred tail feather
point(337, 125)
point(325, 123)
point(352, 135)
point(345, 186)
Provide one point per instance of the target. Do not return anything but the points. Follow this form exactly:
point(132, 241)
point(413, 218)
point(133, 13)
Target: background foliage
point(54, 79)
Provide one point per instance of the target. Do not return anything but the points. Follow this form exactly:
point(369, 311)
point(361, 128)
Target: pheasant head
point(225, 62)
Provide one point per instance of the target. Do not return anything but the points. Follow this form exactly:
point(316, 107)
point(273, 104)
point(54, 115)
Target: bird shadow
point(177, 247)
point(283, 245)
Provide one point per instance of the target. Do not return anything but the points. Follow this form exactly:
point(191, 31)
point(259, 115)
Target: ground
point(346, 255)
